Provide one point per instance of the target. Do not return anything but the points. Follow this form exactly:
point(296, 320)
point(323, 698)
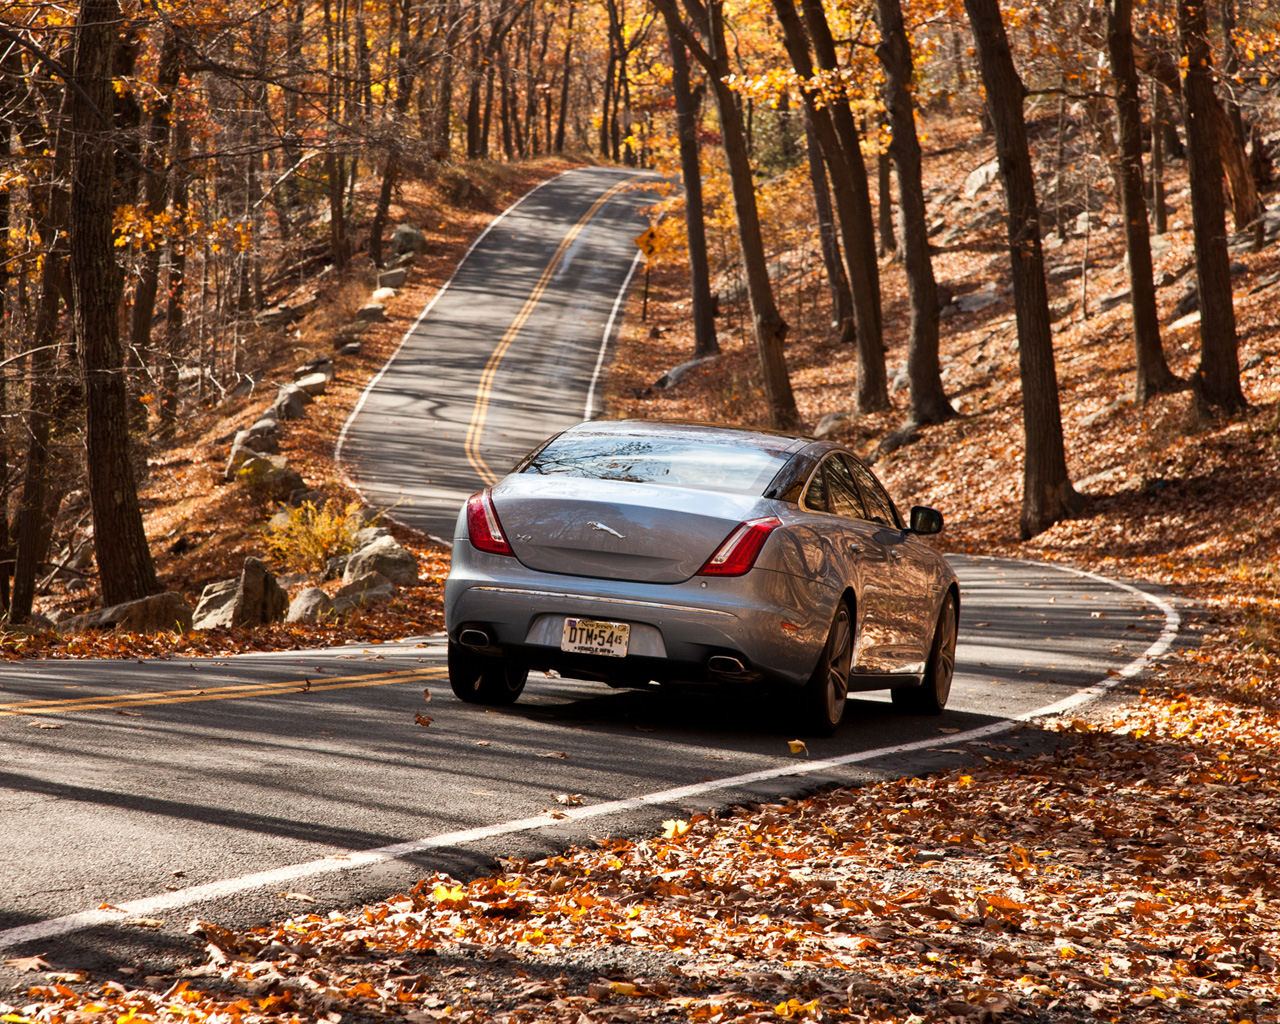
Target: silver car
point(631, 552)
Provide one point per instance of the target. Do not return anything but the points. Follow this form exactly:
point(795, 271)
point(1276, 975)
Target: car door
point(866, 566)
point(909, 586)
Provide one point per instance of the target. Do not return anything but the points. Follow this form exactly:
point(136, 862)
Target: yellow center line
point(188, 696)
point(485, 388)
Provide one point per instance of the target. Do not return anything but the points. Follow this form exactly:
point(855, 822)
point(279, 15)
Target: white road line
point(290, 874)
point(588, 412)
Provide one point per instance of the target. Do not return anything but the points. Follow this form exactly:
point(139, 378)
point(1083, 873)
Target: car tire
point(480, 680)
point(930, 697)
point(828, 688)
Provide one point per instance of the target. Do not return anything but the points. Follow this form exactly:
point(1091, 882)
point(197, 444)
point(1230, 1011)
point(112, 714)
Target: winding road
point(135, 796)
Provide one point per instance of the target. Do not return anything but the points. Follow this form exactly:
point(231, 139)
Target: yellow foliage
point(309, 536)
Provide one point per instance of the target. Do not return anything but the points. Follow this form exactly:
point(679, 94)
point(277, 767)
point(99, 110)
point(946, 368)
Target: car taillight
point(483, 527)
point(738, 553)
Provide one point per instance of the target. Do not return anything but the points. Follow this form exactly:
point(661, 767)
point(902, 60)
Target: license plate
point(589, 636)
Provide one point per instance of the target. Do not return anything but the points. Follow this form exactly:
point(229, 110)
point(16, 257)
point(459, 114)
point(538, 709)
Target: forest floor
point(1134, 875)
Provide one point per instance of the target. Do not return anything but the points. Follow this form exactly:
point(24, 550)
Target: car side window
point(879, 507)
point(815, 495)
point(842, 492)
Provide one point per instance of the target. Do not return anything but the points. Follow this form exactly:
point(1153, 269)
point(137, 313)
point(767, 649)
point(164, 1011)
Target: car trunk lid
point(646, 533)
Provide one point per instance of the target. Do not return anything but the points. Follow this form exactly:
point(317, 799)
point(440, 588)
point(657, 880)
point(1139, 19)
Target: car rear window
point(709, 461)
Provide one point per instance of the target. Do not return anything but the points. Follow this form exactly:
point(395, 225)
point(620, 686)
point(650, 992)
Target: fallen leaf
point(426, 695)
point(297, 897)
point(555, 753)
point(423, 720)
point(145, 922)
point(568, 798)
point(28, 963)
point(798, 747)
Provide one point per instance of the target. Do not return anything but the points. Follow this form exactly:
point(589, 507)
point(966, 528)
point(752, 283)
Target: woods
point(174, 174)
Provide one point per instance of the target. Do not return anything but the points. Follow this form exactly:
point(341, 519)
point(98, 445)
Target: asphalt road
point(507, 353)
point(135, 796)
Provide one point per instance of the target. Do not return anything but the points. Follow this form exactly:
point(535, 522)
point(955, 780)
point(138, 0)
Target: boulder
point(385, 556)
point(366, 589)
point(276, 316)
point(264, 426)
point(408, 238)
point(312, 605)
point(393, 278)
point(351, 348)
point(263, 444)
point(312, 384)
point(291, 403)
point(835, 423)
point(366, 535)
point(980, 177)
point(251, 600)
point(316, 364)
point(155, 614)
point(240, 454)
point(371, 312)
point(383, 295)
point(271, 474)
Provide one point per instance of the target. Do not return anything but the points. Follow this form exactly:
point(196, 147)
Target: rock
point(333, 567)
point(367, 535)
point(1111, 301)
point(262, 444)
point(393, 278)
point(371, 312)
point(351, 348)
point(240, 454)
point(155, 614)
point(251, 600)
point(900, 379)
point(1189, 301)
point(981, 299)
point(1190, 320)
point(312, 605)
point(673, 376)
point(408, 238)
point(980, 177)
point(265, 426)
point(316, 364)
point(276, 316)
point(905, 435)
point(291, 403)
point(350, 332)
point(272, 475)
point(405, 259)
point(312, 384)
point(1250, 363)
point(366, 589)
point(1063, 272)
point(835, 423)
point(386, 556)
point(383, 295)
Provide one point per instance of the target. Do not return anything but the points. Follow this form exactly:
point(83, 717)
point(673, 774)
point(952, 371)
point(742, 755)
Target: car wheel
point(931, 696)
point(480, 680)
point(828, 687)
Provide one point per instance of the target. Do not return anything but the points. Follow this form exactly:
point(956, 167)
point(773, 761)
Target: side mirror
point(925, 520)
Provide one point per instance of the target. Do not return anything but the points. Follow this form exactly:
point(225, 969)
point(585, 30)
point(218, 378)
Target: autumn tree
point(704, 36)
point(1047, 494)
point(1153, 374)
point(929, 402)
point(125, 568)
point(1217, 378)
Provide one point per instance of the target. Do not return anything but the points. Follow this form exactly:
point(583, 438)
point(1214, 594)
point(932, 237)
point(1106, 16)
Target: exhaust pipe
point(726, 665)
point(473, 638)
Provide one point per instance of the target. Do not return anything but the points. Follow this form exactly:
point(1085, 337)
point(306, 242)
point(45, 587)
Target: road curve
point(137, 795)
point(506, 354)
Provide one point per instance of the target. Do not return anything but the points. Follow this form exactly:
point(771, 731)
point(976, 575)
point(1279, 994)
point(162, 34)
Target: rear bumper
point(676, 629)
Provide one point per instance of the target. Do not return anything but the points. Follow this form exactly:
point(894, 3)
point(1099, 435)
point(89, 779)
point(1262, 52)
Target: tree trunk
point(1153, 375)
point(929, 402)
point(770, 328)
point(564, 81)
point(1047, 494)
point(175, 321)
point(1217, 378)
point(864, 270)
point(704, 323)
point(1159, 114)
point(125, 568)
point(832, 257)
